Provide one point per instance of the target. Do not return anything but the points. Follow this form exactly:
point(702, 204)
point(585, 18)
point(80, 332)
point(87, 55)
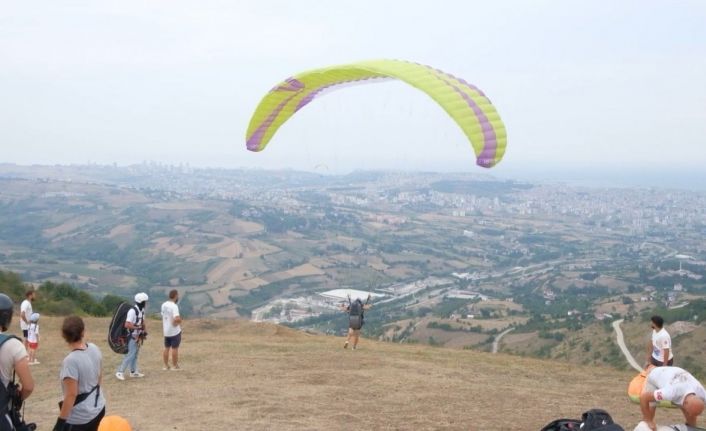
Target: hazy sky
point(581, 85)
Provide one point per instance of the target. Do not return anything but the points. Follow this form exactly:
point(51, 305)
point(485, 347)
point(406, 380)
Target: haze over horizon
point(591, 92)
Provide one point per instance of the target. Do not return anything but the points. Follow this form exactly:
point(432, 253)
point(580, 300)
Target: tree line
point(60, 299)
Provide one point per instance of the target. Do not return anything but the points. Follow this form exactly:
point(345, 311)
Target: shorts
point(25, 332)
point(33, 346)
point(173, 341)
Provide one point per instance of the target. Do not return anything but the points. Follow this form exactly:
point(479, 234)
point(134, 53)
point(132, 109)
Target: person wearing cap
point(33, 338)
point(673, 384)
point(13, 361)
point(135, 323)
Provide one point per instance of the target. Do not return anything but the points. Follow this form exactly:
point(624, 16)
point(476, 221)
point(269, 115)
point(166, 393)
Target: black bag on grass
point(563, 425)
point(598, 420)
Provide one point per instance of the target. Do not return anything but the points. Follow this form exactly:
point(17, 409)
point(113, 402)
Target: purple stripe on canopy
point(254, 141)
point(486, 158)
point(291, 84)
point(317, 91)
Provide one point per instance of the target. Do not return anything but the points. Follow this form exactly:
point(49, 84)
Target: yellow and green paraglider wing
point(465, 103)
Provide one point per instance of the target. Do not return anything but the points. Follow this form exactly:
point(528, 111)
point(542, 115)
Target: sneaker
point(36, 362)
point(176, 368)
point(166, 368)
point(137, 374)
point(120, 376)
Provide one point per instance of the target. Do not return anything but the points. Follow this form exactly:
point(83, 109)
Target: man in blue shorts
point(171, 323)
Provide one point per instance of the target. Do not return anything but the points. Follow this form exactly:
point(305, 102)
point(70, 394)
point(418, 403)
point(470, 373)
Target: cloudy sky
point(583, 86)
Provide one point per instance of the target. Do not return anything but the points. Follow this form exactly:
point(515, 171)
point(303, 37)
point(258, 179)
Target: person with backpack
point(135, 323)
point(13, 362)
point(676, 385)
point(356, 319)
point(81, 374)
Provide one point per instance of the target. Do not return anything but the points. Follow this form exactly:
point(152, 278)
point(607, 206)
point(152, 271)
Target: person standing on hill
point(33, 338)
point(83, 405)
point(171, 324)
point(676, 385)
point(25, 314)
point(356, 319)
point(135, 323)
point(659, 350)
point(13, 361)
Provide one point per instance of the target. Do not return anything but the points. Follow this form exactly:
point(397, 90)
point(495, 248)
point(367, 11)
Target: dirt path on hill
point(621, 343)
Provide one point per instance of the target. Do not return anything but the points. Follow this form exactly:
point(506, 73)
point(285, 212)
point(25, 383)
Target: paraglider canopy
point(467, 105)
point(353, 294)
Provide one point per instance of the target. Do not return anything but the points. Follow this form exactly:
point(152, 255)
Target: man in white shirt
point(25, 313)
point(659, 350)
point(676, 385)
point(13, 360)
point(171, 324)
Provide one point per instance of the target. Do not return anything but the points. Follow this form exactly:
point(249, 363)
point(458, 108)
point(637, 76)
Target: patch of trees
point(449, 328)
point(694, 312)
point(59, 299)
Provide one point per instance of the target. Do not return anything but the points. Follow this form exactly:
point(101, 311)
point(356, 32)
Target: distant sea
point(663, 179)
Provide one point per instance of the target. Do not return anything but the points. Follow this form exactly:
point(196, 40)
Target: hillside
point(255, 376)
point(455, 259)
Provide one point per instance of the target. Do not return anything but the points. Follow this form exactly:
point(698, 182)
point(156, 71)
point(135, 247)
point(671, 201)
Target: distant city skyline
point(597, 92)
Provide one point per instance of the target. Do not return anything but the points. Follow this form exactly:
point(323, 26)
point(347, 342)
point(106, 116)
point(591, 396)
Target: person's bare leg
point(165, 357)
point(356, 335)
point(348, 340)
point(648, 411)
point(175, 357)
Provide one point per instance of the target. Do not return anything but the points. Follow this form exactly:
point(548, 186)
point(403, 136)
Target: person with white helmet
point(33, 338)
point(135, 323)
point(13, 361)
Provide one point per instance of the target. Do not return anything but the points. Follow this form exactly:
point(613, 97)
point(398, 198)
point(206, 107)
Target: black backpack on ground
point(118, 334)
point(563, 425)
point(355, 314)
point(11, 402)
point(598, 420)
point(592, 420)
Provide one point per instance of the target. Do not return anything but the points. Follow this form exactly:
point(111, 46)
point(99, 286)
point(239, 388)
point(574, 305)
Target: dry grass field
point(239, 375)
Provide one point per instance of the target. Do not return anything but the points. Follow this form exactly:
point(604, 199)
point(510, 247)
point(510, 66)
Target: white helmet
point(141, 297)
point(34, 317)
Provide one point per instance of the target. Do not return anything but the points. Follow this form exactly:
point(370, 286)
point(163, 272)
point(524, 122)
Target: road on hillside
point(621, 344)
point(496, 343)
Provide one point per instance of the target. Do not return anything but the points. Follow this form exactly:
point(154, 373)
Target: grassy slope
point(241, 375)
